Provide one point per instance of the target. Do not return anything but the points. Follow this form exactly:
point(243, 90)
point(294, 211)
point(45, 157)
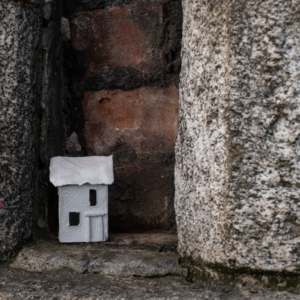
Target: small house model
point(83, 196)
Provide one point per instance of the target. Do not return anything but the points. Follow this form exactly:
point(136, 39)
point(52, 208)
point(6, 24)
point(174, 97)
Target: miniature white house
point(83, 196)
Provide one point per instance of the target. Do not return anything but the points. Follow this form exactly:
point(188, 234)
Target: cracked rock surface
point(124, 262)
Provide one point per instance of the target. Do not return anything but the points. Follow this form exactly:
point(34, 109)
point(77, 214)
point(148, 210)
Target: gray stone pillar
point(238, 148)
point(19, 37)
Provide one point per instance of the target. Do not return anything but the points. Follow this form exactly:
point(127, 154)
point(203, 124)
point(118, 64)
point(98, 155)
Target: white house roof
point(81, 170)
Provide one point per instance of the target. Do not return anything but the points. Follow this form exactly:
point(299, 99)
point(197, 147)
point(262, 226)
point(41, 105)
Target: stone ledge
point(123, 262)
point(65, 284)
point(229, 279)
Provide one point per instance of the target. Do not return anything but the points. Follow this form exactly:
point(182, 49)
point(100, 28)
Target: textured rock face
point(237, 153)
point(120, 37)
point(113, 262)
point(140, 127)
point(122, 65)
point(52, 115)
point(143, 119)
point(19, 37)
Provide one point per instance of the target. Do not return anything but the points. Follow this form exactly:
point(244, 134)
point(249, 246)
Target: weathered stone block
point(237, 153)
point(47, 256)
point(19, 38)
point(120, 37)
point(141, 199)
point(144, 119)
point(139, 127)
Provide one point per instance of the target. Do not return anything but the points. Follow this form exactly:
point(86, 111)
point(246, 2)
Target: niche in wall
point(121, 70)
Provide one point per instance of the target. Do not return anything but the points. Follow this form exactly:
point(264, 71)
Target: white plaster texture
point(81, 170)
point(20, 26)
point(237, 154)
point(93, 220)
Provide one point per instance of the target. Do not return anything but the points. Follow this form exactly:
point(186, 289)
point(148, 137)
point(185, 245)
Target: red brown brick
point(120, 37)
point(145, 119)
point(139, 127)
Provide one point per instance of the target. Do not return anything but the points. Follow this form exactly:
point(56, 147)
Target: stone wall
point(122, 72)
point(19, 89)
point(238, 147)
point(52, 116)
point(237, 153)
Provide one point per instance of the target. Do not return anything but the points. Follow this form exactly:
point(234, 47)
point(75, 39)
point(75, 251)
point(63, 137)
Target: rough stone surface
point(144, 120)
point(32, 3)
point(52, 116)
point(150, 241)
point(34, 260)
point(65, 284)
point(120, 37)
point(72, 145)
point(65, 29)
point(115, 262)
point(140, 263)
point(139, 127)
point(19, 56)
point(140, 47)
point(141, 198)
point(129, 50)
point(237, 153)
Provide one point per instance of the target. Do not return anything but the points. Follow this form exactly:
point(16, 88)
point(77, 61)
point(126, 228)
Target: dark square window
point(93, 197)
point(74, 218)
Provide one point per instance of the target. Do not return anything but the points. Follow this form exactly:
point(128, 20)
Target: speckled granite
point(237, 154)
point(19, 36)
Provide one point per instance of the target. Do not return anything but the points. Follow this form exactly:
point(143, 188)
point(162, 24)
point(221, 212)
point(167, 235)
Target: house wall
point(76, 199)
point(20, 32)
point(237, 153)
point(122, 66)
